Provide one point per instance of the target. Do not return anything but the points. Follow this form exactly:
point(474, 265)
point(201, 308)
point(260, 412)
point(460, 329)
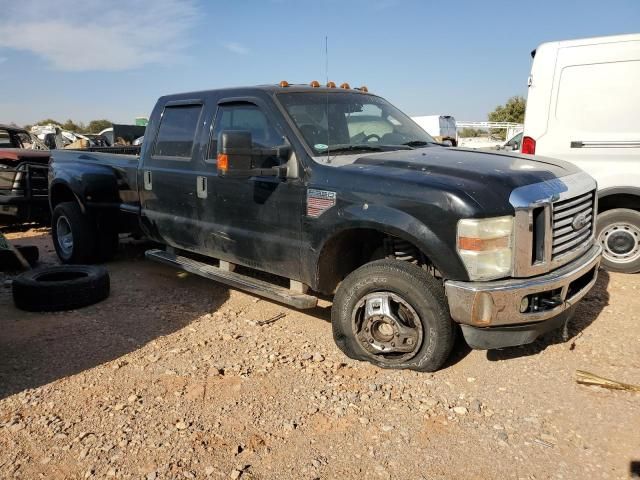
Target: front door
point(257, 221)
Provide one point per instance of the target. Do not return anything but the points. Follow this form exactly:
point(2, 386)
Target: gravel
point(173, 377)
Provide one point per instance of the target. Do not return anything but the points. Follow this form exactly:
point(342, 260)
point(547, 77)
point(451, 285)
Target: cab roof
point(271, 89)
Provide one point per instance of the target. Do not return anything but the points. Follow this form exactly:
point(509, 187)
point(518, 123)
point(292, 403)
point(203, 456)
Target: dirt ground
point(172, 377)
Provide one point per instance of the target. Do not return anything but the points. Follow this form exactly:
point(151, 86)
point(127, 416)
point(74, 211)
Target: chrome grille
point(572, 224)
point(545, 216)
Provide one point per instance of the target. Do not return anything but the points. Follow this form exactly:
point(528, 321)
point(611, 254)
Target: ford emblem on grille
point(580, 220)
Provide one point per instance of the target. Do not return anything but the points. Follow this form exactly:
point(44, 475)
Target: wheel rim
point(64, 236)
point(620, 242)
point(387, 327)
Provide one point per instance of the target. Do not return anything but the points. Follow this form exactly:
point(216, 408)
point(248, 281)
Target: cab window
point(177, 131)
point(244, 116)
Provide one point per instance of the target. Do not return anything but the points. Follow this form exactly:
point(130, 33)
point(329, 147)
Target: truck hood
point(487, 177)
point(17, 155)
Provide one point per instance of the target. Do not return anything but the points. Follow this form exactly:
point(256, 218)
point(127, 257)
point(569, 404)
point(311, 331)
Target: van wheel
point(618, 232)
point(394, 315)
point(75, 236)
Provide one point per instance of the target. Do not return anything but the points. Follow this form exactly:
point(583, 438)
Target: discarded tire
point(64, 287)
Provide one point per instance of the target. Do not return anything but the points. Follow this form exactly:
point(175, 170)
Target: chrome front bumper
point(498, 304)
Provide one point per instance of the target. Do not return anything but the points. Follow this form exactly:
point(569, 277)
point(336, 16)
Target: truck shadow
point(147, 301)
point(587, 312)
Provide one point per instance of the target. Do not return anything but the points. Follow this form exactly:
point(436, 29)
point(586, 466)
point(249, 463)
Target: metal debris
point(273, 319)
point(586, 378)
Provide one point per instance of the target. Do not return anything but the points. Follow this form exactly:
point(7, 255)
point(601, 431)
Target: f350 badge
point(319, 201)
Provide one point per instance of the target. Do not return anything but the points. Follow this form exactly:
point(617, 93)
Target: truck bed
point(100, 171)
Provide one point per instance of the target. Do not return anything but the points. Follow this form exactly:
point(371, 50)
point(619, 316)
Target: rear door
point(168, 181)
point(593, 119)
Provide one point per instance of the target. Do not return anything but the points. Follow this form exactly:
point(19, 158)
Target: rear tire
point(76, 236)
point(64, 287)
point(417, 334)
point(618, 232)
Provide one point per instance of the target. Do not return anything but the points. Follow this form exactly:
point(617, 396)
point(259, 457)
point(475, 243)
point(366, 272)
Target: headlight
point(485, 246)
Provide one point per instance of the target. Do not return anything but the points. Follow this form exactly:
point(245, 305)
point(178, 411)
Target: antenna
point(326, 71)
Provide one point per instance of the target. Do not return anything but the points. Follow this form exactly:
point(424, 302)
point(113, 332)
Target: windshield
point(350, 123)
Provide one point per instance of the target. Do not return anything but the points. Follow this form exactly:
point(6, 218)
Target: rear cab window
point(177, 132)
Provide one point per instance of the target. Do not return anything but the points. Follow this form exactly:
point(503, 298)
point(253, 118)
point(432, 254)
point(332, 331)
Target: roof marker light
point(284, 83)
point(364, 89)
point(315, 84)
point(331, 85)
point(345, 85)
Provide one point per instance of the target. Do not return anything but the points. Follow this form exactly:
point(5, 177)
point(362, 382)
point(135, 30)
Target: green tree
point(512, 111)
point(467, 132)
point(96, 126)
point(73, 126)
point(47, 121)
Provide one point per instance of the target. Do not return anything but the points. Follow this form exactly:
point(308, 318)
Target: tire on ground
point(422, 291)
point(619, 216)
point(64, 287)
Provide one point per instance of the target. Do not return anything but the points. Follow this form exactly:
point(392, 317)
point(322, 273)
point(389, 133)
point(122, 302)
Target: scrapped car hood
point(15, 155)
point(508, 169)
point(489, 178)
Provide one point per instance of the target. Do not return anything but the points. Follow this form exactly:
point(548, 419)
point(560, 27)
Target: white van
point(440, 127)
point(583, 106)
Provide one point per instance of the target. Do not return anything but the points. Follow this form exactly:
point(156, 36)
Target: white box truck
point(440, 127)
point(583, 106)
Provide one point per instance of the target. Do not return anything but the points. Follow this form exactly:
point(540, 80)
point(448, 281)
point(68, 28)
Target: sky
point(112, 59)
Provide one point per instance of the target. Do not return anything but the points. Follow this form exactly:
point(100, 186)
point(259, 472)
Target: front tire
point(393, 314)
point(618, 233)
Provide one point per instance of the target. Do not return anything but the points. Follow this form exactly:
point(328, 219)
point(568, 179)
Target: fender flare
point(57, 183)
point(607, 192)
point(389, 221)
point(89, 180)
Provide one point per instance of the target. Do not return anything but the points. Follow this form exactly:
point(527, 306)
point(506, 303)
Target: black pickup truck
point(337, 194)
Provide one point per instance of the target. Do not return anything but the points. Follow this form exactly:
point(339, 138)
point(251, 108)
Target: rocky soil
point(174, 376)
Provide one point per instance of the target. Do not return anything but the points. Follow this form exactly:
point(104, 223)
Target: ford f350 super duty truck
point(337, 194)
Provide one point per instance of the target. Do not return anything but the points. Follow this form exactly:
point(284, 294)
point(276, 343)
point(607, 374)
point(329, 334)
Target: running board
point(235, 280)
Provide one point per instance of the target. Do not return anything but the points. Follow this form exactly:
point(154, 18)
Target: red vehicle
point(24, 163)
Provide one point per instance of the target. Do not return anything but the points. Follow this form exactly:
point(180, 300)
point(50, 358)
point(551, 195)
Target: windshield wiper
point(352, 148)
point(420, 143)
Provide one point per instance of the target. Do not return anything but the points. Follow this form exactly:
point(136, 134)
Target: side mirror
point(237, 157)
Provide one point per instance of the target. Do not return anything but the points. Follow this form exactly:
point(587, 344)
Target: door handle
point(605, 144)
point(201, 187)
point(148, 184)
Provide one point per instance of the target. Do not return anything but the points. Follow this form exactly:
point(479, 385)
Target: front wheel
point(618, 233)
point(394, 315)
